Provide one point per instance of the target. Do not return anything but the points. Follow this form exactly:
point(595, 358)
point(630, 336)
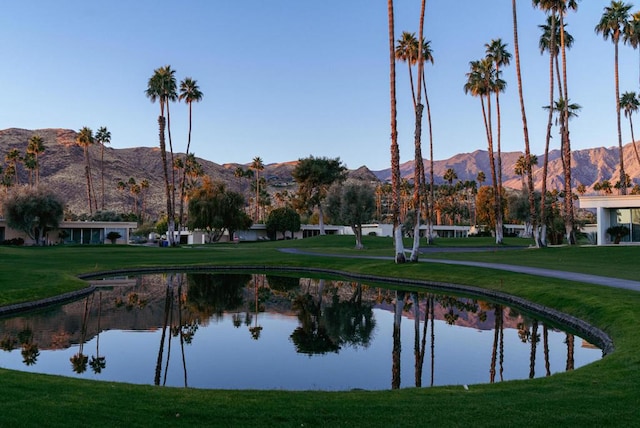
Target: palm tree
point(190, 93)
point(160, 87)
point(481, 81)
point(395, 151)
point(144, 187)
point(450, 175)
point(559, 8)
point(632, 33)
point(36, 147)
point(418, 163)
point(497, 52)
point(13, 158)
point(257, 166)
point(613, 23)
point(630, 104)
point(411, 51)
point(407, 51)
point(427, 56)
point(525, 131)
point(103, 137)
point(84, 139)
point(550, 42)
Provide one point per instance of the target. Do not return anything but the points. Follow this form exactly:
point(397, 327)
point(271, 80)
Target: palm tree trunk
point(171, 221)
point(623, 176)
point(395, 151)
point(568, 198)
point(492, 164)
point(184, 173)
point(545, 166)
point(87, 176)
point(429, 203)
point(418, 177)
point(525, 130)
point(102, 173)
point(163, 154)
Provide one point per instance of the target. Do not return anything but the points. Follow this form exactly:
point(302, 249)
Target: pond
point(264, 331)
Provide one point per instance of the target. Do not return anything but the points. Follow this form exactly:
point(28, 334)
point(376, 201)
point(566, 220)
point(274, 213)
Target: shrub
point(617, 232)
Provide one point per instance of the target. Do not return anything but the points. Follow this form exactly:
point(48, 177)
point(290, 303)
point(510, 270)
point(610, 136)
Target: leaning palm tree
point(395, 151)
point(630, 104)
point(190, 93)
point(36, 148)
point(613, 24)
point(103, 137)
point(159, 88)
point(407, 51)
point(84, 139)
point(525, 132)
point(427, 56)
point(559, 8)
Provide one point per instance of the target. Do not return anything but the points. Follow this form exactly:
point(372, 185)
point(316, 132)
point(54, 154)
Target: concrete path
point(549, 273)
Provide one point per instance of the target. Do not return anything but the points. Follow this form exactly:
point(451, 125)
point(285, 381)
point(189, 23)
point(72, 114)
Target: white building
point(615, 210)
point(75, 232)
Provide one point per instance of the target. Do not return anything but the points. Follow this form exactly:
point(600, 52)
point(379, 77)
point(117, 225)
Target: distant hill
point(62, 168)
point(589, 166)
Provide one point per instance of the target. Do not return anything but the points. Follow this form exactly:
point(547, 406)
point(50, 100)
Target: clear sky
point(285, 79)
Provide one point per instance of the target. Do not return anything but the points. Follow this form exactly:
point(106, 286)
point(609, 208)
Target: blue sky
point(284, 79)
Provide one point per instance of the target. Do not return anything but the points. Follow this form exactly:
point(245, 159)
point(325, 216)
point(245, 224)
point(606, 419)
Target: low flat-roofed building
point(75, 232)
point(614, 210)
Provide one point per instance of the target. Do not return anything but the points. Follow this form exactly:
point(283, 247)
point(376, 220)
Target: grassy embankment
point(605, 393)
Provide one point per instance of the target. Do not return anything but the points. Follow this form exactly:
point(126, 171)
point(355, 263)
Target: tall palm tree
point(395, 151)
point(159, 88)
point(418, 163)
point(613, 23)
point(103, 137)
point(560, 8)
point(481, 81)
point(427, 56)
point(190, 93)
point(497, 52)
point(36, 148)
point(630, 104)
point(84, 139)
point(550, 42)
point(525, 131)
point(410, 50)
point(257, 166)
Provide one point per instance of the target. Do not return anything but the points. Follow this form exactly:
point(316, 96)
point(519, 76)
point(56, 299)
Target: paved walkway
point(549, 273)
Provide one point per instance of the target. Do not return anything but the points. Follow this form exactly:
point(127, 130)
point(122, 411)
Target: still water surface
point(255, 331)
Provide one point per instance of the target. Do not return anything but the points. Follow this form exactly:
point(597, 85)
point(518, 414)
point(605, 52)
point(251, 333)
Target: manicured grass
point(602, 394)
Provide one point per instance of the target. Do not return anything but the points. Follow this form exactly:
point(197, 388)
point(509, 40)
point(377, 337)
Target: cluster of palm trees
point(484, 81)
point(85, 138)
point(30, 161)
point(162, 87)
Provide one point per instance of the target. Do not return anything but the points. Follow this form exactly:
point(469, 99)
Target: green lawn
point(605, 393)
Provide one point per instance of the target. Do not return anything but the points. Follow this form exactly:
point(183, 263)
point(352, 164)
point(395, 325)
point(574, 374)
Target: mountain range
point(62, 169)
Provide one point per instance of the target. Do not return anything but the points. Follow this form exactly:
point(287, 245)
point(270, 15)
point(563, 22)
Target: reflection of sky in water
point(222, 356)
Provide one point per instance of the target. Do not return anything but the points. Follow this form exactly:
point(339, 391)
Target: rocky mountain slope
point(62, 168)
